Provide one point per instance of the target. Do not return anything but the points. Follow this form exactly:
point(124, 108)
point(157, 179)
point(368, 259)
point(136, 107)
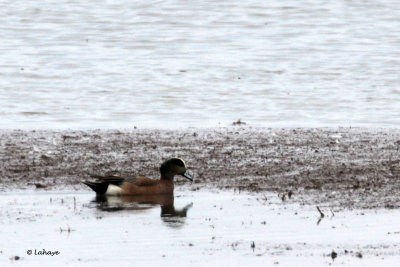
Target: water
point(200, 228)
point(112, 64)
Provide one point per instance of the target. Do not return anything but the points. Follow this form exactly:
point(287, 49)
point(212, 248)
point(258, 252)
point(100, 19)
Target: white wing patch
point(113, 190)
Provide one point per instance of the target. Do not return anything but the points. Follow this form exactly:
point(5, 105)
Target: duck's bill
point(188, 176)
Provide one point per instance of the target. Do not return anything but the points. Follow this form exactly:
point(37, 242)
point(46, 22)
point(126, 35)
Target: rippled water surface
point(200, 228)
point(117, 63)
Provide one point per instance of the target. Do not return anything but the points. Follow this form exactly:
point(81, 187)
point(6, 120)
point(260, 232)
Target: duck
point(112, 185)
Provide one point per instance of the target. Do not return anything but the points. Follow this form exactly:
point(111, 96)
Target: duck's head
point(172, 167)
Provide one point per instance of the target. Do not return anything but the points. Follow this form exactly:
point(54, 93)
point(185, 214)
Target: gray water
point(107, 64)
point(198, 229)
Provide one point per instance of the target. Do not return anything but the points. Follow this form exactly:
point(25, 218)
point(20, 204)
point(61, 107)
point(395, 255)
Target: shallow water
point(110, 64)
point(201, 228)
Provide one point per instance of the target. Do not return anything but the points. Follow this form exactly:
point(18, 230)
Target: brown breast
point(147, 186)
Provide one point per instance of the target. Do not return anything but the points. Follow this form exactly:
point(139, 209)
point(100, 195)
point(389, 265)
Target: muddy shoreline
point(338, 167)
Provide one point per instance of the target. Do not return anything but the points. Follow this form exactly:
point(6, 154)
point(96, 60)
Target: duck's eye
point(179, 163)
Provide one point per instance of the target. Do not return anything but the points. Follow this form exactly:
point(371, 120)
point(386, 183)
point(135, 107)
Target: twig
point(320, 212)
point(322, 215)
point(253, 245)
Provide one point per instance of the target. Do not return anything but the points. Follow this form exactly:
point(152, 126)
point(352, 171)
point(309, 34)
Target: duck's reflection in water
point(169, 214)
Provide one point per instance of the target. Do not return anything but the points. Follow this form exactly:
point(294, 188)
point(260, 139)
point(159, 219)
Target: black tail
point(99, 188)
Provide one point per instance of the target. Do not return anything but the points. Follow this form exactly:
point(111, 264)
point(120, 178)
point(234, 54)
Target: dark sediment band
point(347, 167)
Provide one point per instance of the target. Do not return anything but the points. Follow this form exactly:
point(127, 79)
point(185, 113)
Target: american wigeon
point(116, 185)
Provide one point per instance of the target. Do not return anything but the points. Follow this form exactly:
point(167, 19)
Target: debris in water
point(322, 215)
point(234, 245)
point(333, 255)
point(39, 185)
point(320, 212)
point(263, 200)
point(333, 214)
point(69, 230)
point(239, 122)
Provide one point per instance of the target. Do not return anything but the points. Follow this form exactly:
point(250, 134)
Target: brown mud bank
point(342, 167)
